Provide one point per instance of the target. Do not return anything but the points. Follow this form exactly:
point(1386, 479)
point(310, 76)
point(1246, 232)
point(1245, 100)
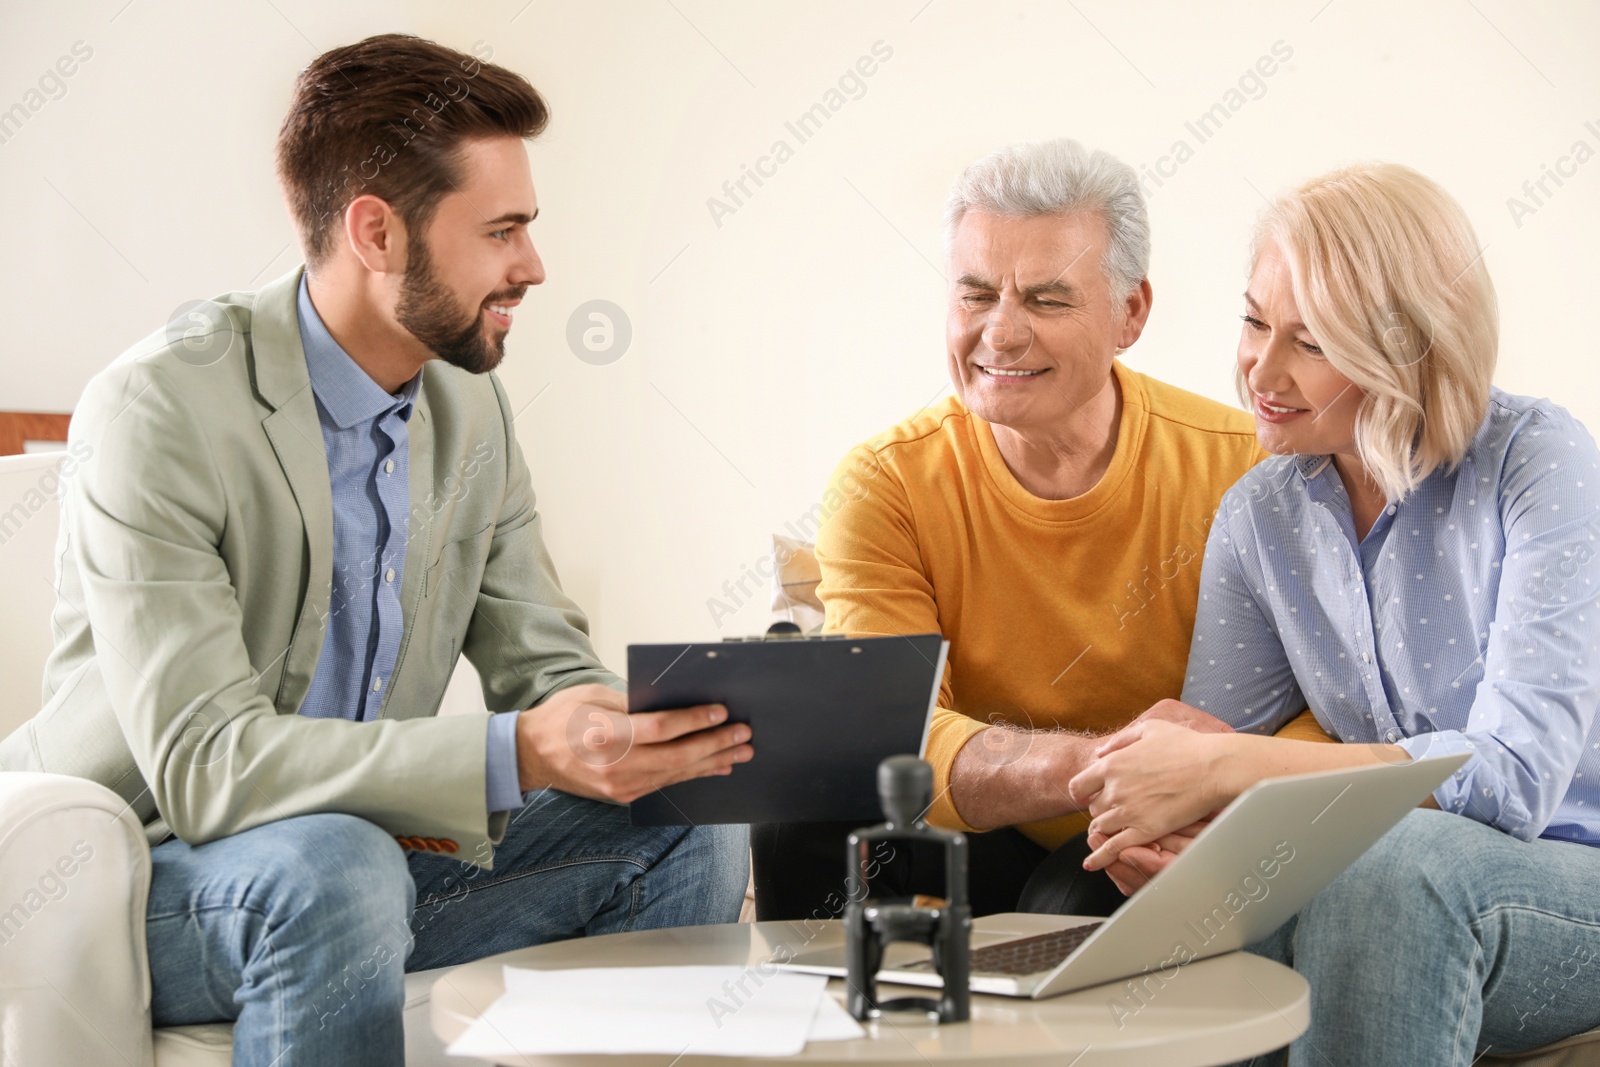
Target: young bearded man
point(297, 516)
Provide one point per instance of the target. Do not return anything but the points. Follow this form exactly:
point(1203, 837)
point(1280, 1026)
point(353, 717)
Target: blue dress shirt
point(1464, 621)
point(369, 472)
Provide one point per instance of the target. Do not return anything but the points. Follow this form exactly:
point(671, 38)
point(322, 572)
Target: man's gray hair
point(1056, 177)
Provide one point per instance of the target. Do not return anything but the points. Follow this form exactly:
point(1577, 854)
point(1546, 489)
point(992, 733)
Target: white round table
point(1214, 1011)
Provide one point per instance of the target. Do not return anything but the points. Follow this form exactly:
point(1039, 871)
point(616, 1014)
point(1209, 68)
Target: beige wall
point(769, 338)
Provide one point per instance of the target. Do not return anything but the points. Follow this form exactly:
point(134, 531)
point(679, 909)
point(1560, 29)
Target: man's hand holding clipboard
point(581, 740)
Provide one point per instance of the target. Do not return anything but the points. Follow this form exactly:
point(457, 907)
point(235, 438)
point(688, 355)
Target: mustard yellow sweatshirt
point(1060, 613)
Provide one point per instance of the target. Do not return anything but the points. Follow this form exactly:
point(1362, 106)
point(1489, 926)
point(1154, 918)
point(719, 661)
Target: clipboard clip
point(784, 630)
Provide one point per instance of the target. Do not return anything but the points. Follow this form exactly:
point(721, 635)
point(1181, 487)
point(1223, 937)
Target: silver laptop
point(1258, 863)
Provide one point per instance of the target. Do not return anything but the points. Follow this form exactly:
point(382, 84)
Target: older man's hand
point(1132, 866)
point(1147, 781)
point(1138, 864)
point(1182, 714)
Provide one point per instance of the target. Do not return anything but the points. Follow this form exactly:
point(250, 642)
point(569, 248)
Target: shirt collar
point(1310, 466)
point(346, 392)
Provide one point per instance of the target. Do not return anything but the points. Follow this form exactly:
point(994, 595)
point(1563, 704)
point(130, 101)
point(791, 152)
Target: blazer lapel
point(295, 432)
point(419, 528)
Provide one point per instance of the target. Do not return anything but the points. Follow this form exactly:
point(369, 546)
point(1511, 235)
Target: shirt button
point(388, 466)
point(1365, 658)
point(1392, 736)
point(388, 575)
point(377, 684)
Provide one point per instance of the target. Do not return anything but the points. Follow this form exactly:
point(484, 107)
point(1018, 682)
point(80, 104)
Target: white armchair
point(74, 864)
point(74, 875)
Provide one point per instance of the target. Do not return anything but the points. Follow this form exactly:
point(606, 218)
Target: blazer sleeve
point(527, 638)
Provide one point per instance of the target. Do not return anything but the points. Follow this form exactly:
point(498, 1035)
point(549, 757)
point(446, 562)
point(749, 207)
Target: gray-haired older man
point(1049, 519)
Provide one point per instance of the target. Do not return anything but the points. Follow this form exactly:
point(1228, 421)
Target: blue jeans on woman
point(1446, 940)
point(300, 931)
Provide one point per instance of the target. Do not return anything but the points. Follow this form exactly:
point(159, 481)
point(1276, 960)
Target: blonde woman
point(1418, 566)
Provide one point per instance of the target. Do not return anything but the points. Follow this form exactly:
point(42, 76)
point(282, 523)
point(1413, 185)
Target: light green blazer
point(194, 567)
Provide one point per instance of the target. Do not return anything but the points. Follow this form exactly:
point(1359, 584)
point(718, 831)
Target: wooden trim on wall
point(19, 426)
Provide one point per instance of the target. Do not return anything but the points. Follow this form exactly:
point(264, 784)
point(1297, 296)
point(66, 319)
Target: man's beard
point(428, 310)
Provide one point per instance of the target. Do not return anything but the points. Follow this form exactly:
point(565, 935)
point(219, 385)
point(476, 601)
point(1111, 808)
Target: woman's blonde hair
point(1390, 280)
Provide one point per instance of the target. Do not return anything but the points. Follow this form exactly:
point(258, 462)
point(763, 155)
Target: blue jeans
point(1445, 940)
point(300, 930)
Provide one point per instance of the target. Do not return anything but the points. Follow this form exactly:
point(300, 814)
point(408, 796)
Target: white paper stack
point(679, 1011)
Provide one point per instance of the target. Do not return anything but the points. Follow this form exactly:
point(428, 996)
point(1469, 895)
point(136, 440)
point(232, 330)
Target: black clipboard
point(823, 711)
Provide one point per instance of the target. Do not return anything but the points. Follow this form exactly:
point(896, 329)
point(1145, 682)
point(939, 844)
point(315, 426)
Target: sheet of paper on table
point(696, 1011)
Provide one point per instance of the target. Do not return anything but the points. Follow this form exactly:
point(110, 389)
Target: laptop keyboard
point(1026, 955)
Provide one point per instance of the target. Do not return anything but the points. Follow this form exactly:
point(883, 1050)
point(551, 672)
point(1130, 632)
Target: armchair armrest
point(74, 881)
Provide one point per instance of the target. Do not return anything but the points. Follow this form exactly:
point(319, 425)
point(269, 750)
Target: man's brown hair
point(387, 117)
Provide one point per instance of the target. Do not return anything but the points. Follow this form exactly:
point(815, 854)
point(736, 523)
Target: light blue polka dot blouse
point(1465, 621)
